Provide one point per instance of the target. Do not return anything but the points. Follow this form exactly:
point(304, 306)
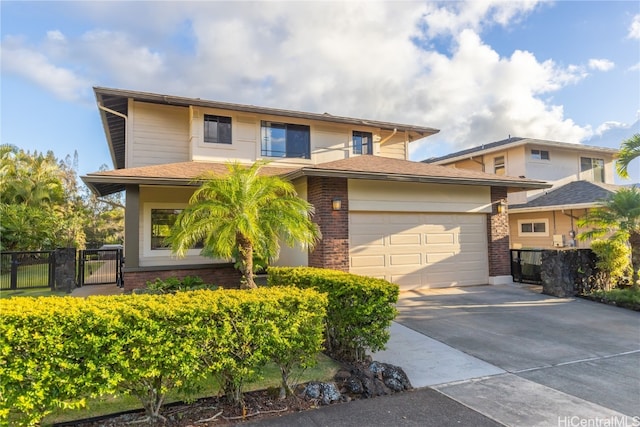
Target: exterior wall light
point(502, 207)
point(336, 204)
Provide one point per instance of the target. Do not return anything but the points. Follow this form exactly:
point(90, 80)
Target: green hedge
point(360, 308)
point(57, 351)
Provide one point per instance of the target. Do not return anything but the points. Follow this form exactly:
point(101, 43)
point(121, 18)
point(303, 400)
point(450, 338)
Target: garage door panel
point(420, 250)
point(368, 261)
point(406, 259)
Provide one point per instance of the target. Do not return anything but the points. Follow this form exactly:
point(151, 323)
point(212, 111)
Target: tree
point(618, 217)
point(244, 214)
point(629, 150)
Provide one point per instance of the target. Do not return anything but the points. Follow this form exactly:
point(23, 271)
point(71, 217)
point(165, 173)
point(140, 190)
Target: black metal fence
point(526, 265)
point(27, 270)
point(37, 269)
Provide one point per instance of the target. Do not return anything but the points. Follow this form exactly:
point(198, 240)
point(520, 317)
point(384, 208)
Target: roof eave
point(555, 207)
point(512, 185)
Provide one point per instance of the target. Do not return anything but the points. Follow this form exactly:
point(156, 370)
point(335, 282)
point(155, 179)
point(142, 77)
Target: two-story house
point(380, 214)
point(581, 177)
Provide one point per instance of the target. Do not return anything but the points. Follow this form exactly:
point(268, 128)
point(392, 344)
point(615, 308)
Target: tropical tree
point(244, 214)
point(619, 218)
point(629, 150)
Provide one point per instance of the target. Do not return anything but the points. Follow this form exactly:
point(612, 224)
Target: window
point(362, 143)
point(498, 165)
point(539, 154)
point(217, 129)
point(592, 169)
point(161, 222)
point(285, 140)
point(536, 227)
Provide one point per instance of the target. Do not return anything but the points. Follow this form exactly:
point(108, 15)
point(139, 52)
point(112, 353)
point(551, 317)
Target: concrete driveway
point(519, 357)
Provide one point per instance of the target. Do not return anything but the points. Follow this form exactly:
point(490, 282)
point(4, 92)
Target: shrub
point(359, 312)
point(613, 261)
point(172, 285)
point(55, 352)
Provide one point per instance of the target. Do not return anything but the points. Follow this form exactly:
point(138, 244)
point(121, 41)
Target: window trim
point(532, 233)
point(369, 146)
point(217, 141)
point(540, 157)
point(267, 124)
point(147, 252)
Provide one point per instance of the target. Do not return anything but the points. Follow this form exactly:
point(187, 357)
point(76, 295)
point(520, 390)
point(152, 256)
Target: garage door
point(419, 250)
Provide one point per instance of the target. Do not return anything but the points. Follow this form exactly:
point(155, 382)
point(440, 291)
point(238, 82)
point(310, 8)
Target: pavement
point(501, 355)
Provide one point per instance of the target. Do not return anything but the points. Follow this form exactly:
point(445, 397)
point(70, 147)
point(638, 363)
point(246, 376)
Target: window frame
point(265, 138)
point(227, 140)
point(540, 156)
point(593, 168)
point(533, 223)
point(358, 148)
point(176, 212)
point(499, 165)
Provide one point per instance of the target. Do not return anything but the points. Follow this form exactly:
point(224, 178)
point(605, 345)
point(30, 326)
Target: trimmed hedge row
point(360, 308)
point(57, 351)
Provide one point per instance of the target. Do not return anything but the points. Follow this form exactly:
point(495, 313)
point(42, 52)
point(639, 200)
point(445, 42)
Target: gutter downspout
point(389, 137)
point(126, 126)
point(109, 110)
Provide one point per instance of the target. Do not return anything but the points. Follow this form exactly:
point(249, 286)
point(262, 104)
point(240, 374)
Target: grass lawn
point(37, 292)
point(323, 371)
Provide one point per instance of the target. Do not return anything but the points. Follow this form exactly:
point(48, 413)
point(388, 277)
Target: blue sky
point(478, 71)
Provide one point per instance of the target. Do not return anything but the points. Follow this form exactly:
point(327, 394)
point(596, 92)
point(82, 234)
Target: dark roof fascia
point(105, 185)
point(186, 102)
point(514, 185)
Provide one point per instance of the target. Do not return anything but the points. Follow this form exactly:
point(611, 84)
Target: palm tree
point(244, 214)
point(618, 217)
point(629, 150)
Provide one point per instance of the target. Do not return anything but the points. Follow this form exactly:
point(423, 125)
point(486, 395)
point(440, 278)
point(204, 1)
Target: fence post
point(52, 270)
point(14, 271)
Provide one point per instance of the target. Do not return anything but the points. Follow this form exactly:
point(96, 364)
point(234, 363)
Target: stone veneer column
point(333, 250)
point(498, 239)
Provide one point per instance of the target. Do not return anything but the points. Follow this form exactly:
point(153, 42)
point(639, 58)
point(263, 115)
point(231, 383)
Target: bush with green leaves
point(57, 351)
point(174, 284)
point(613, 261)
point(360, 308)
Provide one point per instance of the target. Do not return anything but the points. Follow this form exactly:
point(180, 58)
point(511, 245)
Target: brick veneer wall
point(498, 235)
point(223, 275)
point(333, 250)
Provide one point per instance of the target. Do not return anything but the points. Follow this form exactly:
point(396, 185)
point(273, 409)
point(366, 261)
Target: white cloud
point(346, 58)
point(634, 28)
point(601, 64)
point(606, 126)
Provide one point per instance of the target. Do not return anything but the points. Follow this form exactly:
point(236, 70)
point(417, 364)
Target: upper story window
point(217, 129)
point(362, 142)
point(498, 165)
point(540, 155)
point(162, 221)
point(592, 169)
point(285, 140)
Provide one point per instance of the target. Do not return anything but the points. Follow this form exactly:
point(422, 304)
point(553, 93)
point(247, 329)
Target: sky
point(480, 71)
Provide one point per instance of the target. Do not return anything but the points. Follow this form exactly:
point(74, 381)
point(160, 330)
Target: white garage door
point(419, 250)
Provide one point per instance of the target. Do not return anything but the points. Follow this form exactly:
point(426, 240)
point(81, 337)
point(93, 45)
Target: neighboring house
point(381, 215)
point(581, 177)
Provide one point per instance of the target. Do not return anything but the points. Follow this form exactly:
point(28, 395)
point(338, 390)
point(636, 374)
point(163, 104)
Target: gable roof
point(574, 195)
point(113, 105)
point(513, 142)
point(359, 167)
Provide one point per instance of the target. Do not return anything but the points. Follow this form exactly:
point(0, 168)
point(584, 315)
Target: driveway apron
point(519, 357)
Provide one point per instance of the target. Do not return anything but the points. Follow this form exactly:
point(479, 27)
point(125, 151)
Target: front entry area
point(419, 250)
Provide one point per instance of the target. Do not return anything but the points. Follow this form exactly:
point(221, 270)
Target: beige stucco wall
point(385, 196)
point(152, 197)
point(393, 146)
point(157, 134)
point(558, 222)
point(295, 256)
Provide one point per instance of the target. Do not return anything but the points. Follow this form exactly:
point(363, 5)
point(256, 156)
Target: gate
point(100, 267)
point(526, 265)
point(27, 270)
